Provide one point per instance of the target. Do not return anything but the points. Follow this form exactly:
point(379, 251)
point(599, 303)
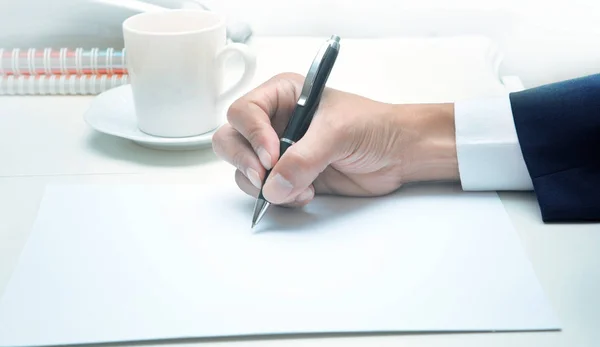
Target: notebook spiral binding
point(61, 71)
point(60, 84)
point(62, 61)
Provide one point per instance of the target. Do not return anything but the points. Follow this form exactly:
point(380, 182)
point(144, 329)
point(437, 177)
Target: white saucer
point(112, 112)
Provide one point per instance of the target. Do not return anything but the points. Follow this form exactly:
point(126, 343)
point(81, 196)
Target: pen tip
point(259, 211)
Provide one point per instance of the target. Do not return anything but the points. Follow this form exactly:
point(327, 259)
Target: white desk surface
point(45, 140)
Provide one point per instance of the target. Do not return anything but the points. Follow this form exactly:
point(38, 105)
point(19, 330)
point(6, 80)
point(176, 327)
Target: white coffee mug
point(175, 59)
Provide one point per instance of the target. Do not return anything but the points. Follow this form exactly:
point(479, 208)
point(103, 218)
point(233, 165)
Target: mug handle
point(249, 66)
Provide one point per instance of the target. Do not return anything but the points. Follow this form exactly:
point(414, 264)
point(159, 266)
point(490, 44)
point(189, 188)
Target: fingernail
point(277, 188)
point(306, 195)
point(253, 177)
point(264, 157)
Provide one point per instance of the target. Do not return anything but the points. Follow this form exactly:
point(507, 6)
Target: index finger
point(264, 110)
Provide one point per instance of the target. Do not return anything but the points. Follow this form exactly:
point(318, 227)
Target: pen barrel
point(300, 121)
point(283, 146)
point(303, 113)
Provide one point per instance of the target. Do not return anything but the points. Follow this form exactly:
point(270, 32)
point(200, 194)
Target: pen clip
point(313, 72)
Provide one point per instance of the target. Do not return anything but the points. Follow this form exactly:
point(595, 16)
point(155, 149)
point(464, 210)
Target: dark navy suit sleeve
point(558, 127)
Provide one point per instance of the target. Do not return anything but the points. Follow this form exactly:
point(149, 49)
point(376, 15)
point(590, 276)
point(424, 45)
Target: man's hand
point(355, 146)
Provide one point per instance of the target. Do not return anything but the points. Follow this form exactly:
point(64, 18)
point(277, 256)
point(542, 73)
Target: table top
point(45, 140)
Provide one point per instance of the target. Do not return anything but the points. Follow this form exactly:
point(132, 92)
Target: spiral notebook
point(61, 71)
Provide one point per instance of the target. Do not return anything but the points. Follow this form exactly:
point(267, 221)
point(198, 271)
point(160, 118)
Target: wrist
point(433, 143)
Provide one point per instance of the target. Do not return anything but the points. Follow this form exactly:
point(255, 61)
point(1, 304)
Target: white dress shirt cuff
point(489, 155)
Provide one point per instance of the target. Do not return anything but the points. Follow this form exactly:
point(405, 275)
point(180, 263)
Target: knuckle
point(255, 135)
point(290, 82)
point(235, 110)
point(251, 128)
point(289, 76)
point(238, 160)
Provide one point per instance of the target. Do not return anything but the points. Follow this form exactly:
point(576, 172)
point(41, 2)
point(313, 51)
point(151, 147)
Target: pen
point(305, 108)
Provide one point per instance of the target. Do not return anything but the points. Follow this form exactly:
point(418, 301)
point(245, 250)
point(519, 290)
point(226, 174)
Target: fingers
point(247, 187)
point(300, 165)
point(234, 149)
point(250, 143)
point(254, 115)
point(255, 126)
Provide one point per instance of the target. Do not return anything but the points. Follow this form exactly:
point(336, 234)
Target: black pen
point(303, 113)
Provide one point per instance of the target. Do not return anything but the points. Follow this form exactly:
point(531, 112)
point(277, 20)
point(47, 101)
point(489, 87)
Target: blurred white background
point(542, 40)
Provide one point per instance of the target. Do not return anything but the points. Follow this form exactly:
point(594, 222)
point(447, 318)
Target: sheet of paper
point(111, 263)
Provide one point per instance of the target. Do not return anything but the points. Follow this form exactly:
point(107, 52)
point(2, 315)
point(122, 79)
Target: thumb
point(299, 166)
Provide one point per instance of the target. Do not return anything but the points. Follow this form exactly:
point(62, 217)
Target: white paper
point(109, 263)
